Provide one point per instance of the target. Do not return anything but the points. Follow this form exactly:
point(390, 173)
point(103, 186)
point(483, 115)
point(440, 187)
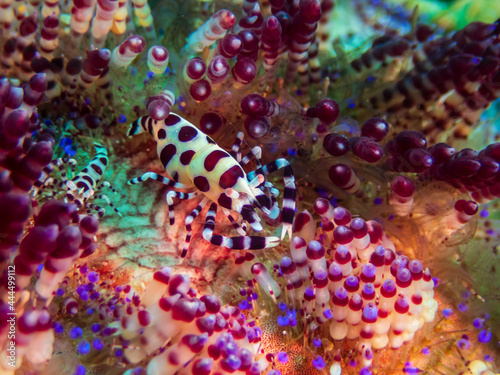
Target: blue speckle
point(409, 369)
point(94, 295)
point(133, 72)
point(436, 281)
point(463, 307)
point(292, 151)
point(478, 323)
point(107, 332)
point(378, 200)
point(283, 357)
point(122, 118)
point(484, 336)
point(243, 305)
point(39, 268)
point(322, 193)
point(319, 363)
point(69, 151)
point(328, 314)
point(93, 277)
point(426, 351)
point(484, 213)
point(283, 321)
point(90, 311)
point(488, 358)
point(365, 371)
point(282, 306)
point(98, 344)
point(370, 79)
point(83, 347)
point(76, 332)
point(447, 313)
point(150, 74)
point(119, 353)
point(85, 295)
point(65, 142)
point(60, 292)
point(58, 328)
point(317, 342)
point(96, 328)
point(80, 370)
point(334, 202)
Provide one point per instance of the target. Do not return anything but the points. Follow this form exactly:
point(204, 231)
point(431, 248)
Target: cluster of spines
point(220, 337)
point(34, 336)
point(21, 158)
point(453, 78)
point(407, 152)
point(260, 111)
point(57, 237)
point(49, 250)
point(353, 280)
point(31, 47)
point(291, 27)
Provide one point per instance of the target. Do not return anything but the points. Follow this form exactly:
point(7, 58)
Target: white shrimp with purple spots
point(195, 164)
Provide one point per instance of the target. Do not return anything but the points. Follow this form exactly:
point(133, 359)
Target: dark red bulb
point(336, 144)
point(200, 90)
point(376, 128)
point(402, 186)
point(211, 122)
point(327, 110)
point(195, 68)
point(257, 127)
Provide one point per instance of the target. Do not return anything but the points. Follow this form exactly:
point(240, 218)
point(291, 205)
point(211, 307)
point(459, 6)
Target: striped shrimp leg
point(234, 243)
point(288, 210)
point(189, 220)
point(175, 194)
